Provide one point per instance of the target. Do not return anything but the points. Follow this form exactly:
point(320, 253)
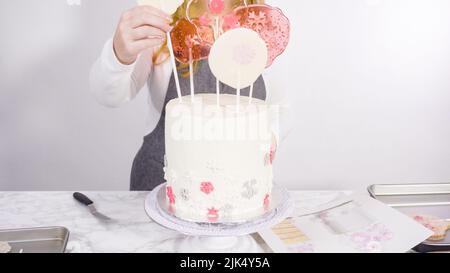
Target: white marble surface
point(132, 231)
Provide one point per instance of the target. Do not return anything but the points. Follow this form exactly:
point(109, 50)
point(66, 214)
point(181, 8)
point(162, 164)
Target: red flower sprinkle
point(207, 187)
point(272, 154)
point(170, 195)
point(213, 214)
point(266, 202)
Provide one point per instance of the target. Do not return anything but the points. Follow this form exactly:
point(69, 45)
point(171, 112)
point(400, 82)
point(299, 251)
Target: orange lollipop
point(192, 35)
point(198, 35)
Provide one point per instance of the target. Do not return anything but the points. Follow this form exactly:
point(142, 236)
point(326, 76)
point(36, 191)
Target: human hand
point(139, 28)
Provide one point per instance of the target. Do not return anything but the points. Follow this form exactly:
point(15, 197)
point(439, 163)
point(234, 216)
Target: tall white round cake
point(218, 158)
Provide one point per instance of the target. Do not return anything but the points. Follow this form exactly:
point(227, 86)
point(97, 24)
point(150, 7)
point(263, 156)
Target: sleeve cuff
point(110, 59)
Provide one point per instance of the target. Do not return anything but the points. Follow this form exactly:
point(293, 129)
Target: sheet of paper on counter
point(361, 225)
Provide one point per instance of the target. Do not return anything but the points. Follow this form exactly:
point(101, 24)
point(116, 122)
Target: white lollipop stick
point(218, 92)
point(238, 97)
point(216, 28)
point(216, 34)
point(172, 58)
point(250, 95)
point(174, 65)
point(238, 90)
point(191, 74)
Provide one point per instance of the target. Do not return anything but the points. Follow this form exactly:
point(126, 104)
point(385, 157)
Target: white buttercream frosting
point(217, 166)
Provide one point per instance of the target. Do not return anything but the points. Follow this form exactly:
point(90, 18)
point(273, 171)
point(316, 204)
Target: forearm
point(113, 83)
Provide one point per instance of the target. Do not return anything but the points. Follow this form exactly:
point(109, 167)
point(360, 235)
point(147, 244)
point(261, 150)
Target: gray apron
point(147, 171)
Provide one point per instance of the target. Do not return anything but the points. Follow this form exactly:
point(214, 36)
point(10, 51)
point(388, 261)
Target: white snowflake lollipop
point(238, 57)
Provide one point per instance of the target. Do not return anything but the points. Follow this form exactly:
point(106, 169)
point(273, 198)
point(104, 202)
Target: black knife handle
point(83, 199)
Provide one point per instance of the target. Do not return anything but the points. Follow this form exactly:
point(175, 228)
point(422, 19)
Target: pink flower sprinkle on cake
point(207, 187)
point(170, 195)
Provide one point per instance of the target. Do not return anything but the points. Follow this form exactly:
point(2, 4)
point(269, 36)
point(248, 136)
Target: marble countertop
point(131, 232)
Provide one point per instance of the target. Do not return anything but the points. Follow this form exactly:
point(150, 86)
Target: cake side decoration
point(250, 189)
point(170, 195)
point(184, 193)
point(266, 202)
point(207, 187)
point(213, 215)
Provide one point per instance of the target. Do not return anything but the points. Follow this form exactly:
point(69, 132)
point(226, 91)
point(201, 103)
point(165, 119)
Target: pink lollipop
point(269, 22)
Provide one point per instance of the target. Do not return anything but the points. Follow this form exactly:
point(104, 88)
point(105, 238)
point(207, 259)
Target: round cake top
point(210, 99)
point(202, 118)
point(205, 105)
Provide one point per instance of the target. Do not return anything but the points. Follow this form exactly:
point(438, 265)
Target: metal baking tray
point(36, 240)
point(428, 199)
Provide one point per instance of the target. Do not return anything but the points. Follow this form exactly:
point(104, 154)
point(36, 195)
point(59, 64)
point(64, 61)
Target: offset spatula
point(83, 199)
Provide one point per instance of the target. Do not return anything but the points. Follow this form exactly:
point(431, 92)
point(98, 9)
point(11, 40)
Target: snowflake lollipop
point(269, 22)
point(238, 57)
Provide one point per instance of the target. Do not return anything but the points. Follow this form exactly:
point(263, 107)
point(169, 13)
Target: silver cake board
point(218, 237)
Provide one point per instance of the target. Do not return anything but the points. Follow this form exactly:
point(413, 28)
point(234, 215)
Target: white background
point(370, 88)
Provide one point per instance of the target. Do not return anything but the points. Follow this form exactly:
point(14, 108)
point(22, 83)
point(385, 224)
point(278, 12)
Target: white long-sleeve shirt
point(115, 84)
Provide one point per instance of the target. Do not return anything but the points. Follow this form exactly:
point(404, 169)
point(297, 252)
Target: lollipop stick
point(174, 65)
point(238, 97)
point(191, 74)
point(216, 28)
point(250, 95)
point(218, 92)
point(238, 90)
point(216, 34)
point(172, 58)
